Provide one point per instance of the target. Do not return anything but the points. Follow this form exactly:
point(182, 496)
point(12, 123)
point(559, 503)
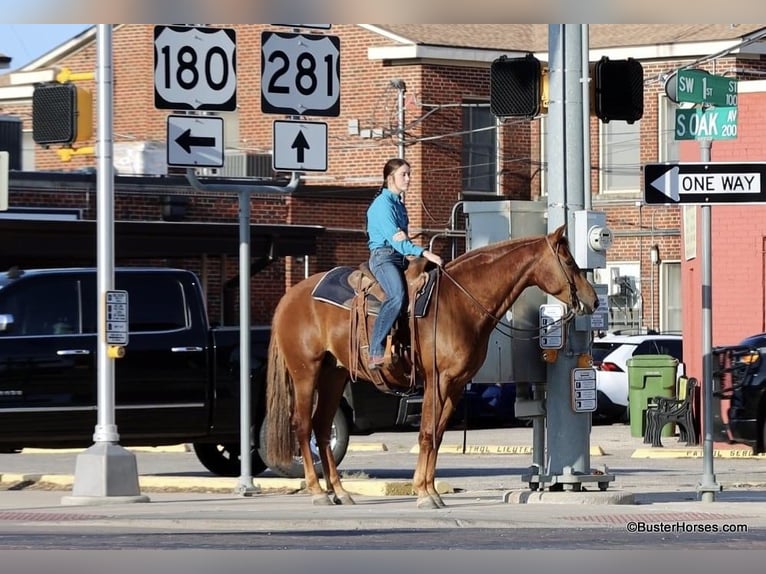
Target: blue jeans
point(388, 266)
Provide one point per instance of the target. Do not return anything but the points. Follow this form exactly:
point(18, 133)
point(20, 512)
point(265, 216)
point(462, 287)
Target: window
point(624, 294)
point(667, 135)
point(620, 157)
point(479, 157)
point(155, 305)
point(44, 306)
point(670, 296)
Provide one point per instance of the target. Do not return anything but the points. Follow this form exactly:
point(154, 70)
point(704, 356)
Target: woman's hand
point(433, 258)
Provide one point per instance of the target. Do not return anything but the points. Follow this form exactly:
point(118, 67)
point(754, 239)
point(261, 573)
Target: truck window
point(155, 302)
point(45, 306)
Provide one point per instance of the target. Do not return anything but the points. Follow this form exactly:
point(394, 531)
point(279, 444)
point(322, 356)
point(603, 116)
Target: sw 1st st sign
point(704, 183)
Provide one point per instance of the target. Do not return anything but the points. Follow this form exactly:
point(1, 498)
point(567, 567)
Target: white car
point(610, 358)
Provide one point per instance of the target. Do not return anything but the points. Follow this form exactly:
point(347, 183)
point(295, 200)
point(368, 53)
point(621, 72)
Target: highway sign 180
point(300, 74)
point(195, 68)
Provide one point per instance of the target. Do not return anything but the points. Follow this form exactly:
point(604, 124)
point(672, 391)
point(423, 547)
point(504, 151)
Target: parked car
point(610, 358)
point(746, 422)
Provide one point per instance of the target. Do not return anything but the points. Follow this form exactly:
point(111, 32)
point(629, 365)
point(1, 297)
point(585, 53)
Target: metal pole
point(707, 486)
point(568, 432)
point(105, 472)
point(106, 430)
point(402, 87)
point(245, 485)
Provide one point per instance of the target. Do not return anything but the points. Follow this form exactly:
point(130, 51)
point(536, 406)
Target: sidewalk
point(477, 490)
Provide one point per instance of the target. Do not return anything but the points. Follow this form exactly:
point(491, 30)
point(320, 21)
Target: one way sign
point(704, 183)
point(300, 146)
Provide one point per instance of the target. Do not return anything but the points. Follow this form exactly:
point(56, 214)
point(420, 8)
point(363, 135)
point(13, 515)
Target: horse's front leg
point(328, 401)
point(430, 478)
point(428, 445)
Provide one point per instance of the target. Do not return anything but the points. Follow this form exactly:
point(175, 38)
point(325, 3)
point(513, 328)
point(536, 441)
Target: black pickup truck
point(177, 383)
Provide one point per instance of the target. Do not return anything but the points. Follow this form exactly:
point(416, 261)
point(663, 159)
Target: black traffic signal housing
point(62, 113)
point(518, 87)
point(618, 90)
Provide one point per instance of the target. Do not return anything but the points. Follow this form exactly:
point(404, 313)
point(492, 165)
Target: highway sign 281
point(300, 74)
point(195, 68)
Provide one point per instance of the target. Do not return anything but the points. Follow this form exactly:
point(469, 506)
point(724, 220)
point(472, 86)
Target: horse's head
point(561, 276)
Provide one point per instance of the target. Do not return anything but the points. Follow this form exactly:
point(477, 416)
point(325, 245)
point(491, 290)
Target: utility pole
point(568, 429)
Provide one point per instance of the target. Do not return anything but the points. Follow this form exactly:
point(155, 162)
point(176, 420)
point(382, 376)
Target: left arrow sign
point(195, 141)
point(187, 141)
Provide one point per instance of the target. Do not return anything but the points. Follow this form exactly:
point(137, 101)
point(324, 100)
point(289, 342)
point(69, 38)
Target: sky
point(26, 42)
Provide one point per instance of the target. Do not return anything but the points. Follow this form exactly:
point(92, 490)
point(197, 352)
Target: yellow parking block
point(495, 449)
point(367, 447)
point(692, 452)
point(164, 448)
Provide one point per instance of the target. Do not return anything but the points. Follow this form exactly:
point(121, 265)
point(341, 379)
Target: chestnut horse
point(310, 348)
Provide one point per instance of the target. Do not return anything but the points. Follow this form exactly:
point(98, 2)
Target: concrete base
point(105, 473)
point(568, 497)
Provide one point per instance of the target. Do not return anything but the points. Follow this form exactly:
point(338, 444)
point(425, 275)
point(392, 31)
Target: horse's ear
point(558, 235)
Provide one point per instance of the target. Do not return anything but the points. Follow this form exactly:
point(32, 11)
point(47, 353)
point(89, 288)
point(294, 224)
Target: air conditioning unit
point(241, 164)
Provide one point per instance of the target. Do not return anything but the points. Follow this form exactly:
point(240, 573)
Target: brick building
point(424, 90)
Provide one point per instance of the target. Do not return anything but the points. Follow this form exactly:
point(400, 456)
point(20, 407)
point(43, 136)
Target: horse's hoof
point(344, 500)
point(321, 500)
point(437, 500)
point(427, 502)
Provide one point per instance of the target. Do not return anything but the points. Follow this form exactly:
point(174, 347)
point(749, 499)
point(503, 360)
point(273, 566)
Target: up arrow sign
point(704, 183)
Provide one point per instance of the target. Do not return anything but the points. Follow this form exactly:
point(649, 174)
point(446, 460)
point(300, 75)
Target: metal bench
point(680, 411)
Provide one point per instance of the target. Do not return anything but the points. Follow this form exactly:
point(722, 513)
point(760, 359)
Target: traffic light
point(62, 113)
point(517, 87)
point(618, 90)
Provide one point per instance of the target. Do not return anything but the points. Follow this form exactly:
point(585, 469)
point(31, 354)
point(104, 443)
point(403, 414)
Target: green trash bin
point(649, 376)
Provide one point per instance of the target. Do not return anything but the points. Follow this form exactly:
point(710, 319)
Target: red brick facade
point(433, 144)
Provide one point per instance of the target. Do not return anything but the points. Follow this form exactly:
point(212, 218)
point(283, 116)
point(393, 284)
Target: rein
point(497, 320)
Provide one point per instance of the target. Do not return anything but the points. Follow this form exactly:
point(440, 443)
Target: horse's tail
point(280, 439)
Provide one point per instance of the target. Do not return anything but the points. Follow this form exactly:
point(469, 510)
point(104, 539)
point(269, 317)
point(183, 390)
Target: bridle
point(574, 300)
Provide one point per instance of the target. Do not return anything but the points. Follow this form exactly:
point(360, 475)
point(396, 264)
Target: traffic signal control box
point(518, 87)
point(618, 90)
point(62, 113)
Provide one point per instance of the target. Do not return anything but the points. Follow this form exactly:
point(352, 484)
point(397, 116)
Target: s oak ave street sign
point(704, 183)
point(300, 74)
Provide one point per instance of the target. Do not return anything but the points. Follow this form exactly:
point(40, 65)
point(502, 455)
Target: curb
point(358, 447)
point(595, 450)
point(164, 448)
point(366, 487)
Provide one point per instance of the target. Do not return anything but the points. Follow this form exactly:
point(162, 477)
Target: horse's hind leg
point(332, 381)
point(304, 402)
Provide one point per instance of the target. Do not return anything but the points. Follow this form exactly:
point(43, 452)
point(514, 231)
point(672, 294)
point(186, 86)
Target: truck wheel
point(338, 440)
point(223, 459)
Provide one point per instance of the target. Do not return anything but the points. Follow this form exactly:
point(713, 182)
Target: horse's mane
point(492, 249)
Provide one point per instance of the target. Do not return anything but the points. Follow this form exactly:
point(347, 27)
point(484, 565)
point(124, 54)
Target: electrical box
point(591, 239)
point(510, 359)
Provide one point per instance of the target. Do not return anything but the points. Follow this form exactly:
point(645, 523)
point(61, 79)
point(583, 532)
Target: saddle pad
point(333, 288)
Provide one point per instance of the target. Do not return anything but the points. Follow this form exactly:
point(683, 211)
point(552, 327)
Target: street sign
point(584, 390)
point(195, 141)
point(700, 87)
point(195, 68)
point(117, 317)
point(300, 74)
point(704, 183)
point(551, 326)
point(300, 146)
point(712, 123)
